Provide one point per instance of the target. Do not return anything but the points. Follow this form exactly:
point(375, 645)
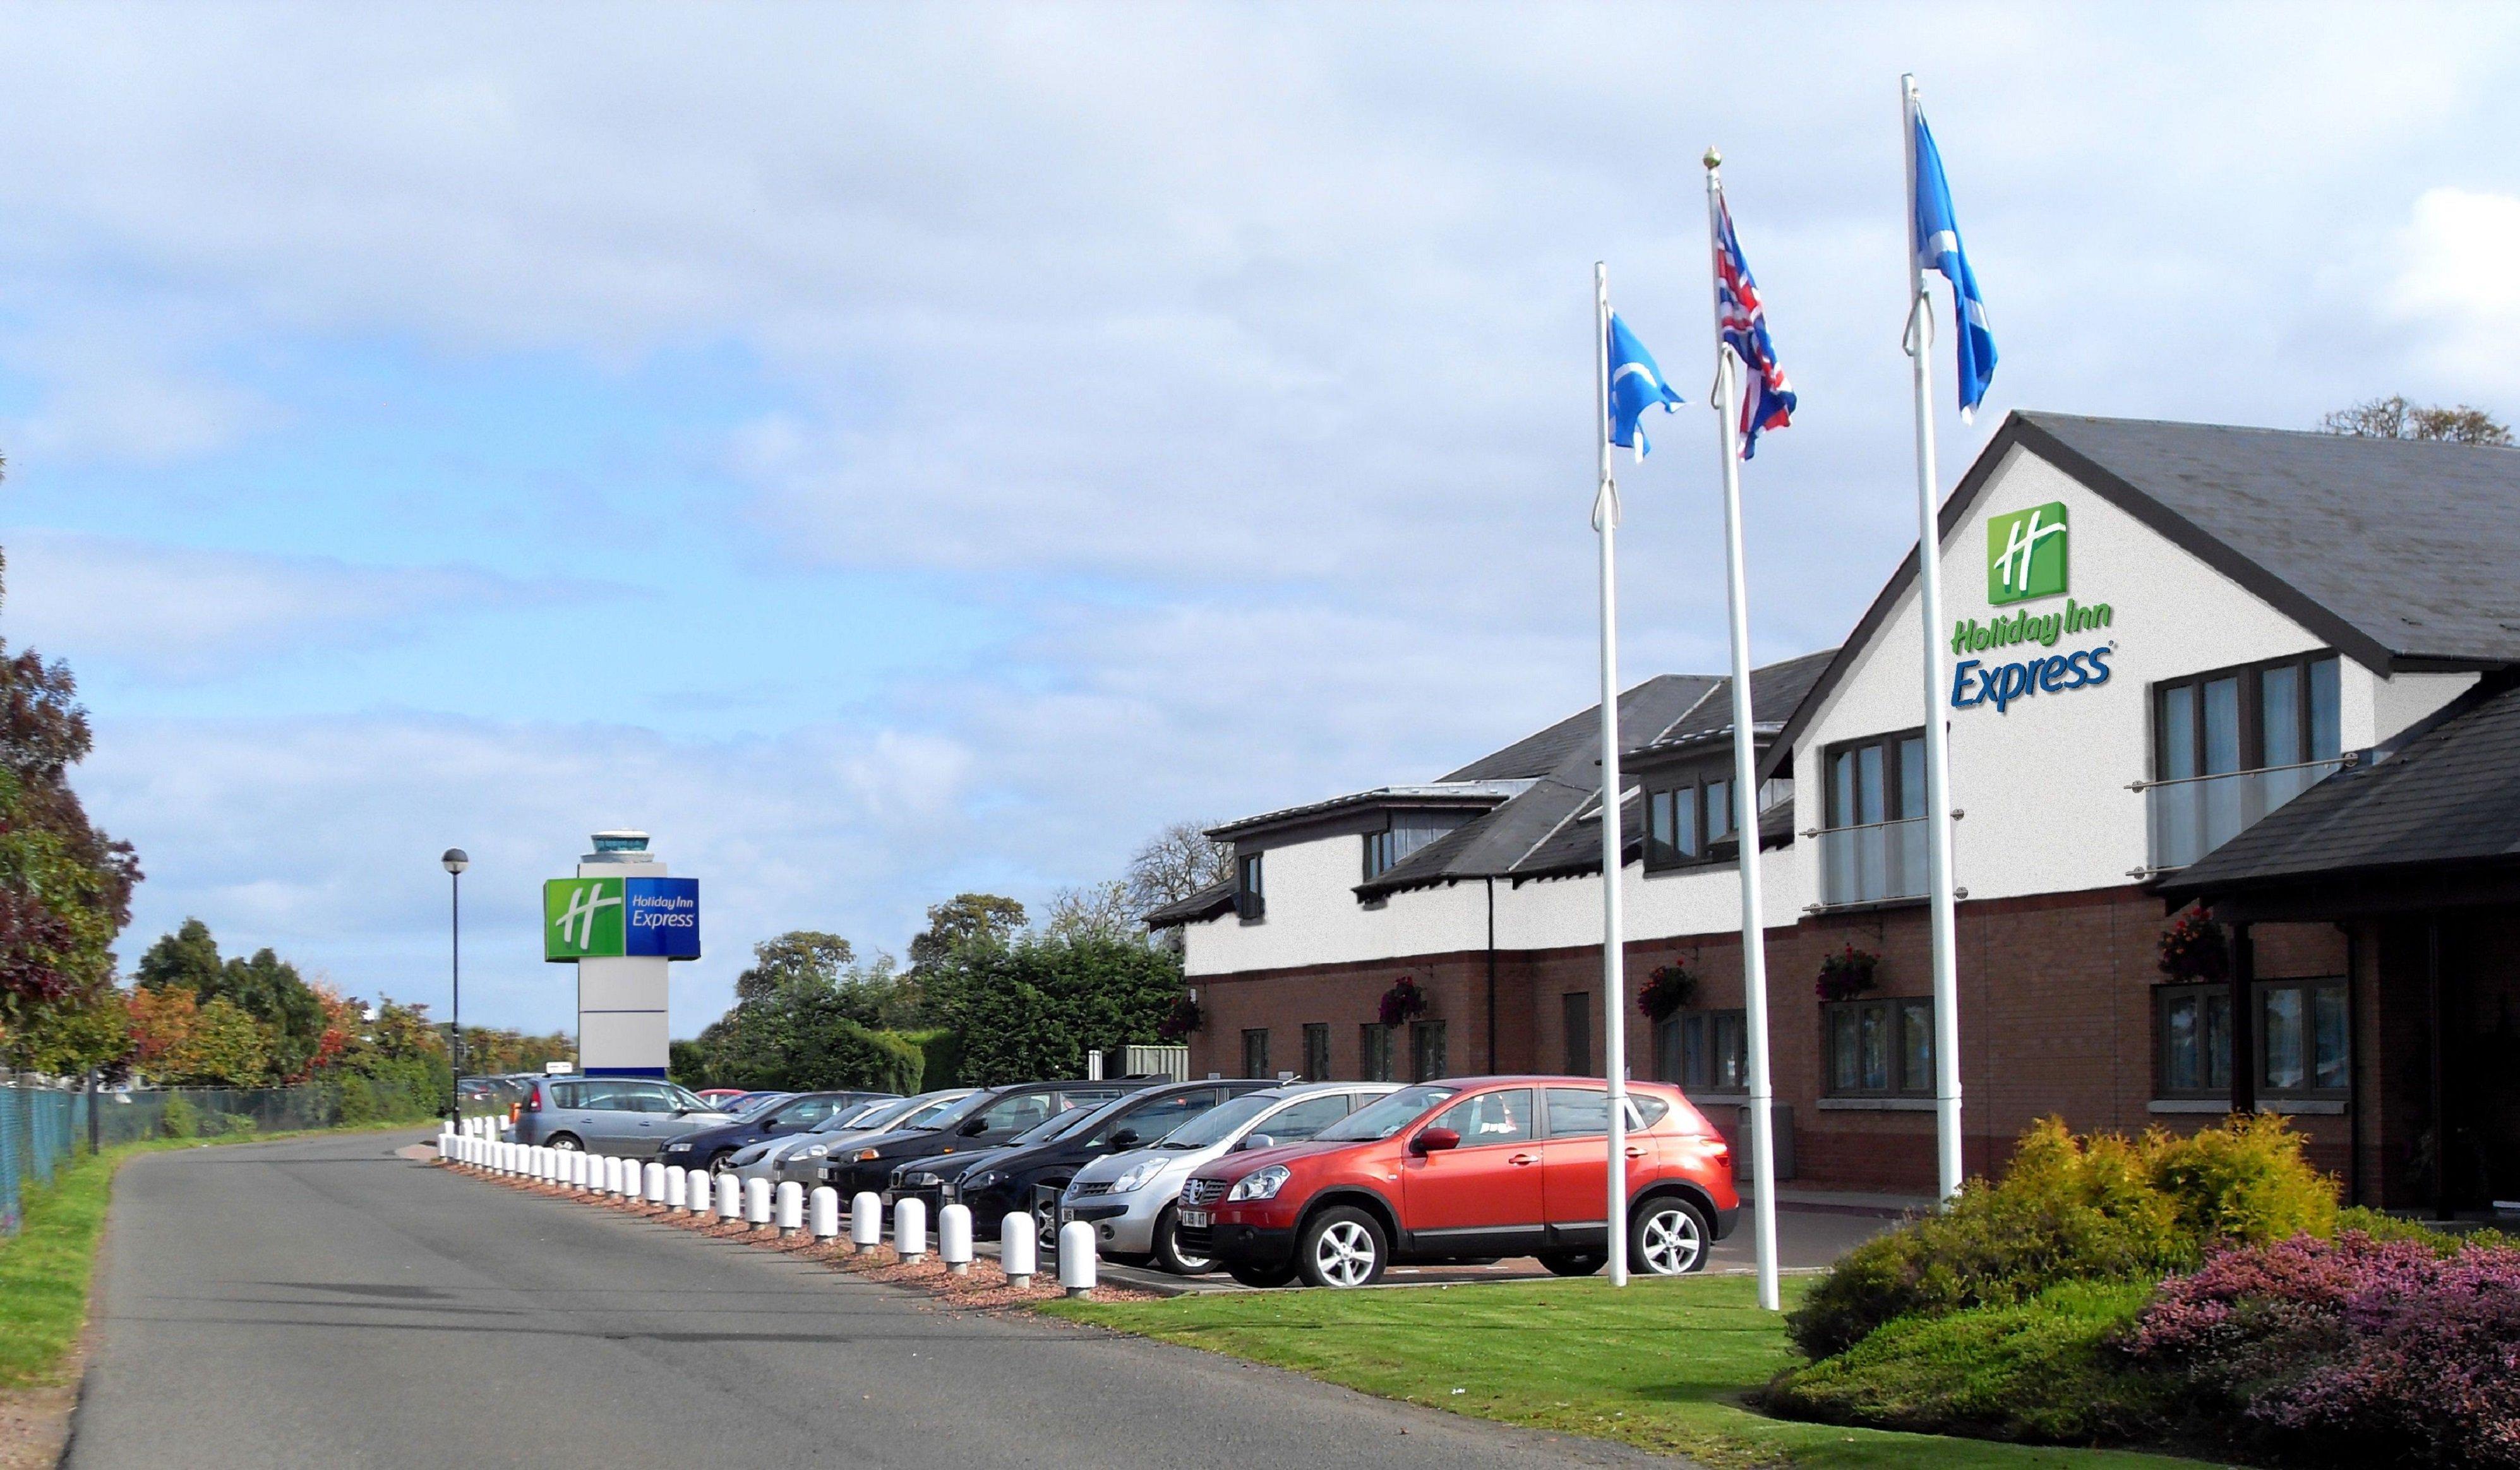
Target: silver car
point(1128, 1197)
point(630, 1116)
point(759, 1160)
point(800, 1158)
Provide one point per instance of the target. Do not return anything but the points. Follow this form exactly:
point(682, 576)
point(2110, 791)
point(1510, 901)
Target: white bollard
point(1017, 1246)
point(445, 1142)
point(608, 1181)
point(654, 1177)
point(1076, 1256)
point(542, 1166)
point(730, 1199)
point(756, 1201)
point(953, 1238)
point(673, 1187)
point(791, 1206)
point(865, 1221)
point(910, 1228)
point(825, 1210)
point(506, 1154)
point(580, 1164)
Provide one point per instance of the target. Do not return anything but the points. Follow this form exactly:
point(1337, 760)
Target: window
point(1501, 1117)
point(1158, 1118)
point(1249, 898)
point(1255, 1052)
point(1582, 1112)
point(1575, 1005)
point(1872, 837)
point(1302, 1120)
point(2259, 718)
point(2193, 1025)
point(1704, 1051)
point(1876, 781)
point(1683, 824)
point(1408, 830)
point(1880, 1048)
point(1426, 1051)
point(1380, 854)
point(1316, 1052)
point(1374, 1053)
point(2302, 1039)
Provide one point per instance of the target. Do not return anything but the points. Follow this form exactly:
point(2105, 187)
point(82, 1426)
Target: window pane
point(1503, 1117)
point(2182, 1069)
point(1658, 833)
point(1667, 1060)
point(1841, 788)
point(1693, 1051)
point(2329, 1032)
point(1316, 1052)
point(1255, 1053)
point(1576, 1008)
point(1719, 810)
point(1876, 1048)
point(1684, 824)
point(2281, 1007)
point(1426, 1049)
point(1916, 1046)
point(1732, 1052)
point(1911, 777)
point(2279, 716)
point(1304, 1119)
point(2218, 1042)
point(1845, 1060)
point(1867, 782)
point(2325, 737)
point(1373, 1052)
point(2178, 733)
point(1574, 1112)
point(2222, 725)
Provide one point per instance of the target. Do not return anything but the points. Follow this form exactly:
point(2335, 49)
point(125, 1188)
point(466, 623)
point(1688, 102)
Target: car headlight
point(678, 1148)
point(818, 1151)
point(1260, 1183)
point(863, 1156)
point(984, 1179)
point(919, 1180)
point(1137, 1177)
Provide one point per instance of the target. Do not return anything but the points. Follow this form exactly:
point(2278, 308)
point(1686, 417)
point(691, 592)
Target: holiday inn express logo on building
point(2025, 554)
point(607, 919)
point(581, 918)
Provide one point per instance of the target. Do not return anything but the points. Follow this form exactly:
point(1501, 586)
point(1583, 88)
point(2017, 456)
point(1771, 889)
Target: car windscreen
point(876, 1114)
point(1380, 1119)
point(1219, 1122)
point(954, 1116)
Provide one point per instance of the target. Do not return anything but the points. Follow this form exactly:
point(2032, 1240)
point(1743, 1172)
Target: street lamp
point(455, 862)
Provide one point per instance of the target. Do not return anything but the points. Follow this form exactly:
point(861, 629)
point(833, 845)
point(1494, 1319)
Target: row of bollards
point(788, 1209)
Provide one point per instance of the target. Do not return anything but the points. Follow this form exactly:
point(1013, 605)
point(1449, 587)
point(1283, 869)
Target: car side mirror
point(1434, 1141)
point(682, 1112)
point(1126, 1138)
point(975, 1128)
point(1252, 1141)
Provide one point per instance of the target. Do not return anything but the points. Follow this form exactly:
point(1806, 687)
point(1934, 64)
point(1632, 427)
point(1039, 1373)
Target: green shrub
point(2104, 1207)
point(354, 1101)
point(237, 1125)
point(2443, 1244)
point(179, 1119)
point(943, 1051)
point(2044, 1370)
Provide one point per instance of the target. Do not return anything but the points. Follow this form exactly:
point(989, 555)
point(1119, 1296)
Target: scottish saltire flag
point(1636, 385)
point(1938, 249)
point(1741, 324)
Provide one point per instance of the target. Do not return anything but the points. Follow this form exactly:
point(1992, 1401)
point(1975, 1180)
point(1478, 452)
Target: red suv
point(1467, 1168)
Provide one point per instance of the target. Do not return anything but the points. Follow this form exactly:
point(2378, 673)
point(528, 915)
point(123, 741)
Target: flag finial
point(1714, 159)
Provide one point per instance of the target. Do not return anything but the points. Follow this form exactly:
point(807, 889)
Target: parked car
point(931, 1180)
point(720, 1097)
point(1130, 1197)
point(1480, 1166)
point(803, 1158)
point(984, 1120)
point(631, 1116)
point(751, 1158)
point(711, 1148)
point(1032, 1175)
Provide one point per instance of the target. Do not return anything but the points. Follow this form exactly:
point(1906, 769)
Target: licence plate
point(1197, 1220)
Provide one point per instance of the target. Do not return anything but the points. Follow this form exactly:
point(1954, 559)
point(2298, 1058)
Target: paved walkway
point(322, 1302)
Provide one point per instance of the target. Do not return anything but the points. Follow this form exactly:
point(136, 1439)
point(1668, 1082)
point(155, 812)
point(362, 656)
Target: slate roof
point(2450, 794)
point(2397, 553)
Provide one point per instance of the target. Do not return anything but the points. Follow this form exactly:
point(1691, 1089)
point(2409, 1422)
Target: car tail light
point(535, 1098)
point(515, 1111)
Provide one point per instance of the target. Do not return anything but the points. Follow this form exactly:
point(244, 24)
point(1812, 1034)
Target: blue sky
point(890, 451)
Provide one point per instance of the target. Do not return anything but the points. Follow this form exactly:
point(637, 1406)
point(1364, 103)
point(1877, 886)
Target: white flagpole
point(1745, 778)
point(1937, 765)
point(1614, 1030)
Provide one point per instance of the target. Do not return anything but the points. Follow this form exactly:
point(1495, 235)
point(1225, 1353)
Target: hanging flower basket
point(1179, 1022)
point(1404, 1001)
point(1847, 975)
point(2194, 946)
point(1667, 991)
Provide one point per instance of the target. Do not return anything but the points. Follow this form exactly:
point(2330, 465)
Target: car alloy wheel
point(1342, 1248)
point(1669, 1238)
point(564, 1143)
point(1171, 1255)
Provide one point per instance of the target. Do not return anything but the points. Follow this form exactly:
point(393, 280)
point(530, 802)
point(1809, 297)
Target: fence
point(43, 1129)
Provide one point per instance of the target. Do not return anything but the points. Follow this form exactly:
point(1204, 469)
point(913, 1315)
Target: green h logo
point(581, 918)
point(2025, 554)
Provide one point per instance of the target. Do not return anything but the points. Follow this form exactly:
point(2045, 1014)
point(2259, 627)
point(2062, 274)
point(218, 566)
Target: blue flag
point(1938, 249)
point(1636, 385)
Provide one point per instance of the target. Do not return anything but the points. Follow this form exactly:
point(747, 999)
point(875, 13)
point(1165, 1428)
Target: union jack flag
point(1741, 324)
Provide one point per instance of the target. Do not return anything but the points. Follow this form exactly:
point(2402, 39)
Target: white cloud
point(2458, 288)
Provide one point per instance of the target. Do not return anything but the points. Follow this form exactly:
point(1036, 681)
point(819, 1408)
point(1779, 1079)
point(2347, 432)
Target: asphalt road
point(322, 1302)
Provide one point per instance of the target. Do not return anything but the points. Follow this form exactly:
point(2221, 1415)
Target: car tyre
point(1169, 1253)
point(1343, 1247)
point(1574, 1262)
point(1667, 1236)
point(1278, 1274)
point(721, 1161)
point(563, 1144)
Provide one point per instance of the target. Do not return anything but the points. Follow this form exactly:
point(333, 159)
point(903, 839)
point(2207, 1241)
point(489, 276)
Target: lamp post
point(455, 862)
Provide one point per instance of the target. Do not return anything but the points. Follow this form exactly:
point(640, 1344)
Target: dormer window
point(1380, 852)
point(1405, 831)
point(1684, 821)
point(1248, 901)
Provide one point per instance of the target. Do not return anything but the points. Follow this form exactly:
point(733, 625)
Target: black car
point(984, 1120)
point(932, 1180)
point(1032, 1177)
point(711, 1147)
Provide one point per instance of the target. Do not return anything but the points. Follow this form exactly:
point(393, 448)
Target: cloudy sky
point(886, 451)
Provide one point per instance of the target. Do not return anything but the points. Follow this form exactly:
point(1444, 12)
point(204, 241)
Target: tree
point(966, 918)
point(264, 986)
point(798, 955)
point(1098, 910)
point(2394, 418)
point(806, 1015)
point(1034, 1008)
point(1180, 860)
point(189, 957)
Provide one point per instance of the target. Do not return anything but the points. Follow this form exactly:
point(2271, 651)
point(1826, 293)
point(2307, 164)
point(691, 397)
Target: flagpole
point(1614, 1031)
point(1745, 767)
point(1938, 766)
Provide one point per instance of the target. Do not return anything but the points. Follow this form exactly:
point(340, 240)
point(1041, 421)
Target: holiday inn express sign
point(599, 918)
point(2027, 556)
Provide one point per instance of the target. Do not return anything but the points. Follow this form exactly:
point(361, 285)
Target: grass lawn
point(44, 1269)
point(1661, 1366)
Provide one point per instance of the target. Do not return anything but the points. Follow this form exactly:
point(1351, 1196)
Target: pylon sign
point(604, 918)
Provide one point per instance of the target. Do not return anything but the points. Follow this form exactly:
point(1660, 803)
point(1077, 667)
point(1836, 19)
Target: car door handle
point(1523, 1158)
point(1636, 1153)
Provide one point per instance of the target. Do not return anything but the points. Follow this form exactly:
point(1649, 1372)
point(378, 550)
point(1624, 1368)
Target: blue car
point(714, 1148)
